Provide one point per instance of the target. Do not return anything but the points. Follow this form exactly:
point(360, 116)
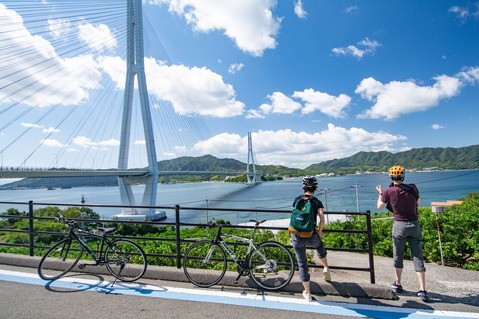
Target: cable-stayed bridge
point(53, 172)
point(49, 84)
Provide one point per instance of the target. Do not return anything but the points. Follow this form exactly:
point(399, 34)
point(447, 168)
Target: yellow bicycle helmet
point(397, 172)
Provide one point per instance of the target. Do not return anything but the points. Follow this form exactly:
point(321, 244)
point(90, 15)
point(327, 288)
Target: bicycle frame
point(251, 246)
point(73, 234)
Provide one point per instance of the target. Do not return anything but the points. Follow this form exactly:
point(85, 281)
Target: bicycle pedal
point(235, 282)
point(82, 266)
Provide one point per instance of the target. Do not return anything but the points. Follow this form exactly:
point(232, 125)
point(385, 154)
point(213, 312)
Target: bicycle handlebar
point(69, 222)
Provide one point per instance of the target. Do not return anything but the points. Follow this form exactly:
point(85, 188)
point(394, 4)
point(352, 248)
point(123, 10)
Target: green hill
point(420, 158)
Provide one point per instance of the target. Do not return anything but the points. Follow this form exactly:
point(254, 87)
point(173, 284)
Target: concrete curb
point(318, 286)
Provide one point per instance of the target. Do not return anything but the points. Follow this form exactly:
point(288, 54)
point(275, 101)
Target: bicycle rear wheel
point(59, 259)
point(204, 263)
point(125, 260)
point(271, 265)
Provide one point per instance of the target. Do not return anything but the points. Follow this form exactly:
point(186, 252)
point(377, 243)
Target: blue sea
point(348, 193)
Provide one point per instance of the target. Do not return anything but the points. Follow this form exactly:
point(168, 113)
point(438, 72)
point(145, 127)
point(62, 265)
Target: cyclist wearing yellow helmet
point(402, 200)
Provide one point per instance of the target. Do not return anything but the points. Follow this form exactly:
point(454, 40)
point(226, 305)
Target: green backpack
point(303, 218)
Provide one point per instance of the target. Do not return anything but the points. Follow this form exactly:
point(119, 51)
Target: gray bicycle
point(269, 264)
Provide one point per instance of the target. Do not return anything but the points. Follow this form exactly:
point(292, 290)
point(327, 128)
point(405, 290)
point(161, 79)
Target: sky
point(312, 80)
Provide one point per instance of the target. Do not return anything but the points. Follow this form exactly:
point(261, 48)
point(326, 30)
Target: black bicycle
point(269, 264)
point(123, 258)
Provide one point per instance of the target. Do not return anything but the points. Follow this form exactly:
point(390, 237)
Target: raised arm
point(380, 204)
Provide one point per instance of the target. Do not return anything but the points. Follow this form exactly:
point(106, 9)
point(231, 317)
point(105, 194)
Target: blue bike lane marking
point(233, 298)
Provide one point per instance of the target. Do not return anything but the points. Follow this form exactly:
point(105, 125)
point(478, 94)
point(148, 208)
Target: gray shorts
point(300, 245)
point(410, 232)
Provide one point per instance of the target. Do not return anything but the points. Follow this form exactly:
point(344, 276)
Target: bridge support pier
point(251, 177)
point(136, 68)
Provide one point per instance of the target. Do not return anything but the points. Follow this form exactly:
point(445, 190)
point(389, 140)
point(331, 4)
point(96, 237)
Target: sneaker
point(327, 275)
point(396, 288)
point(423, 295)
point(306, 296)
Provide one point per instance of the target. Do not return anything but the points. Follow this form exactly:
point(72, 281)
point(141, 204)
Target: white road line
point(234, 298)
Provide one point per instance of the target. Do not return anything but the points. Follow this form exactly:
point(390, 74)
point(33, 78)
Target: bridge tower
point(136, 69)
point(251, 177)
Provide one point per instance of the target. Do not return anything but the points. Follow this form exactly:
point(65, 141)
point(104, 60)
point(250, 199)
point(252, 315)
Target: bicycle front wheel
point(204, 263)
point(271, 265)
point(59, 259)
point(125, 260)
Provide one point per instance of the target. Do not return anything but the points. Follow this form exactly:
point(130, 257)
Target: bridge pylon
point(251, 176)
point(136, 69)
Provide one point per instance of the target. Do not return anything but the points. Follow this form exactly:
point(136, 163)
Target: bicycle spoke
point(125, 260)
point(271, 266)
point(59, 259)
point(204, 263)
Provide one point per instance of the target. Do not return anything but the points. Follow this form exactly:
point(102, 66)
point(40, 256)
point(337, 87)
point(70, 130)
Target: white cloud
point(52, 143)
point(299, 149)
point(98, 37)
point(86, 142)
point(313, 101)
point(235, 67)
point(436, 126)
point(460, 12)
point(189, 90)
point(230, 144)
point(351, 9)
point(469, 75)
point(398, 98)
point(299, 10)
point(44, 129)
point(323, 102)
point(41, 78)
point(59, 27)
point(50, 130)
point(464, 13)
point(30, 125)
point(365, 47)
point(281, 104)
point(255, 114)
point(249, 23)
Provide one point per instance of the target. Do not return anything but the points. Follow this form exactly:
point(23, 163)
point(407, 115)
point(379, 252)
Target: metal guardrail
point(178, 225)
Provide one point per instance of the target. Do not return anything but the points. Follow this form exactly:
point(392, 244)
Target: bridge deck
point(24, 173)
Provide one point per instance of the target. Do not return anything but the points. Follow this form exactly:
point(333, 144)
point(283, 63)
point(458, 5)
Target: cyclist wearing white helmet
point(402, 200)
point(310, 184)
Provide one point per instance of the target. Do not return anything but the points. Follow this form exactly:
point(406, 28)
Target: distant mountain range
point(420, 159)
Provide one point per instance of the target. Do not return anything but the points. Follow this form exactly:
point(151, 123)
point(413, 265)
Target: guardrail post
point(178, 236)
point(370, 247)
point(30, 226)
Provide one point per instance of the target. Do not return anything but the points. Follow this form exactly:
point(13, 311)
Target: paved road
point(454, 294)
